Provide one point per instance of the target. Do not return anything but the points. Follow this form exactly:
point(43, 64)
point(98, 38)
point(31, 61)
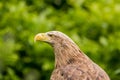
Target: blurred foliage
point(93, 24)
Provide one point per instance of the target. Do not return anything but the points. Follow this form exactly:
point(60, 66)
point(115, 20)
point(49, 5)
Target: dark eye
point(50, 35)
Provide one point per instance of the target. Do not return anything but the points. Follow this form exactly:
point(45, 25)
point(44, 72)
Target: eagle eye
point(50, 35)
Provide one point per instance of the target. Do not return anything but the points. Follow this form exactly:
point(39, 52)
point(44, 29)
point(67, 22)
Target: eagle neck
point(66, 53)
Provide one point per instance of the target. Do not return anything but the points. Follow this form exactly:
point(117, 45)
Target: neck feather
point(67, 53)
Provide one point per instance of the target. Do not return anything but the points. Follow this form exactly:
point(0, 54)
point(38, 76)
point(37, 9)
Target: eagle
point(70, 62)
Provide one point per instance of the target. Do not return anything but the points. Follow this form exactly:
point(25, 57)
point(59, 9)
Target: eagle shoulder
point(78, 72)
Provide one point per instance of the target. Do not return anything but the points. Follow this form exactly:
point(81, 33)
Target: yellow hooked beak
point(42, 37)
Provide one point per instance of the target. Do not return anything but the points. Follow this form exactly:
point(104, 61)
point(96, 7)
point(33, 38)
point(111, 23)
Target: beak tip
point(35, 38)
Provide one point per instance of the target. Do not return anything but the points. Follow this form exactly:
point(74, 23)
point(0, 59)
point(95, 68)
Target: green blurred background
point(93, 24)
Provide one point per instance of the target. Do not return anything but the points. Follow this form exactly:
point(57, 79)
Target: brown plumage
point(70, 62)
